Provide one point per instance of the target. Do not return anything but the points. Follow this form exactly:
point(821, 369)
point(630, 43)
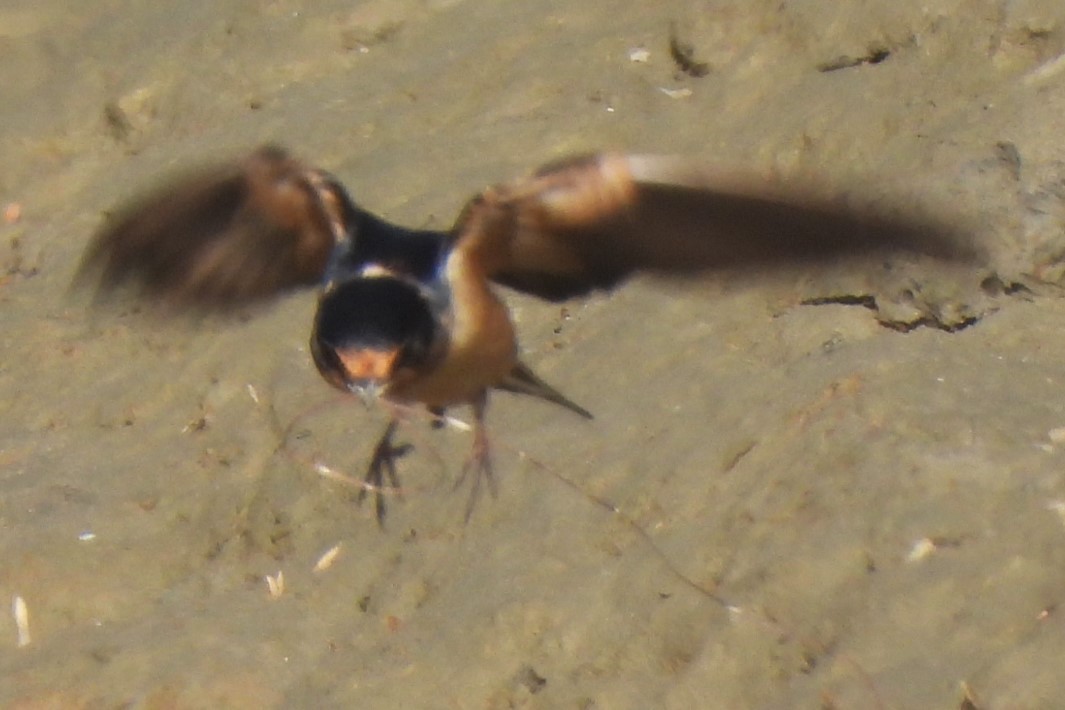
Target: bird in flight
point(412, 315)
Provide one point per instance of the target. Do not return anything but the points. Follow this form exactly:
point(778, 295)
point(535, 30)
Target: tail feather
point(523, 380)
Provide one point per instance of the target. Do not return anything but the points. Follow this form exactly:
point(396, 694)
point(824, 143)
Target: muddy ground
point(777, 505)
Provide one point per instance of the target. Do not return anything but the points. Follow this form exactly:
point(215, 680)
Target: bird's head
point(370, 330)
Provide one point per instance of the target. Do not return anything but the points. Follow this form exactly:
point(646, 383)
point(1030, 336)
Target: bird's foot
point(383, 466)
point(479, 464)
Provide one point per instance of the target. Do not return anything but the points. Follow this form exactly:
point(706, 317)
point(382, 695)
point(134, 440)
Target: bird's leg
point(382, 465)
point(480, 459)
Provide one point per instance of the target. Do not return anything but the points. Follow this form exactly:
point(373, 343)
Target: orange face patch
point(368, 363)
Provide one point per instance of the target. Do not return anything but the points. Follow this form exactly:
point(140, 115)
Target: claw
point(480, 458)
point(382, 466)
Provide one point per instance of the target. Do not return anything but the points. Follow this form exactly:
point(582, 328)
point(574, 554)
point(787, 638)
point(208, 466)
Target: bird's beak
point(366, 391)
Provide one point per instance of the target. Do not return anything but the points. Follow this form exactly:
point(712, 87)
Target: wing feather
point(589, 223)
point(223, 236)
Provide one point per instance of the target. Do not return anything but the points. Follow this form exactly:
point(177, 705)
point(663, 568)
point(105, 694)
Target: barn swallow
point(411, 315)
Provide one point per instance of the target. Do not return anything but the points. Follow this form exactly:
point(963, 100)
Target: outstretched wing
point(589, 223)
point(223, 236)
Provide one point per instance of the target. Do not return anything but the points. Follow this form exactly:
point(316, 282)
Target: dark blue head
point(368, 329)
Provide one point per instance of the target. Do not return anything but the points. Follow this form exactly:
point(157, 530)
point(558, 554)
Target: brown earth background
point(777, 505)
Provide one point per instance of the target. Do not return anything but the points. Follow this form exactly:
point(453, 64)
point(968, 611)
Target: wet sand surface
point(777, 505)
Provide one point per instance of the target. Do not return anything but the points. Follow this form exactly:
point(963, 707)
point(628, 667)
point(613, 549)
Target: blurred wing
point(589, 223)
point(223, 237)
